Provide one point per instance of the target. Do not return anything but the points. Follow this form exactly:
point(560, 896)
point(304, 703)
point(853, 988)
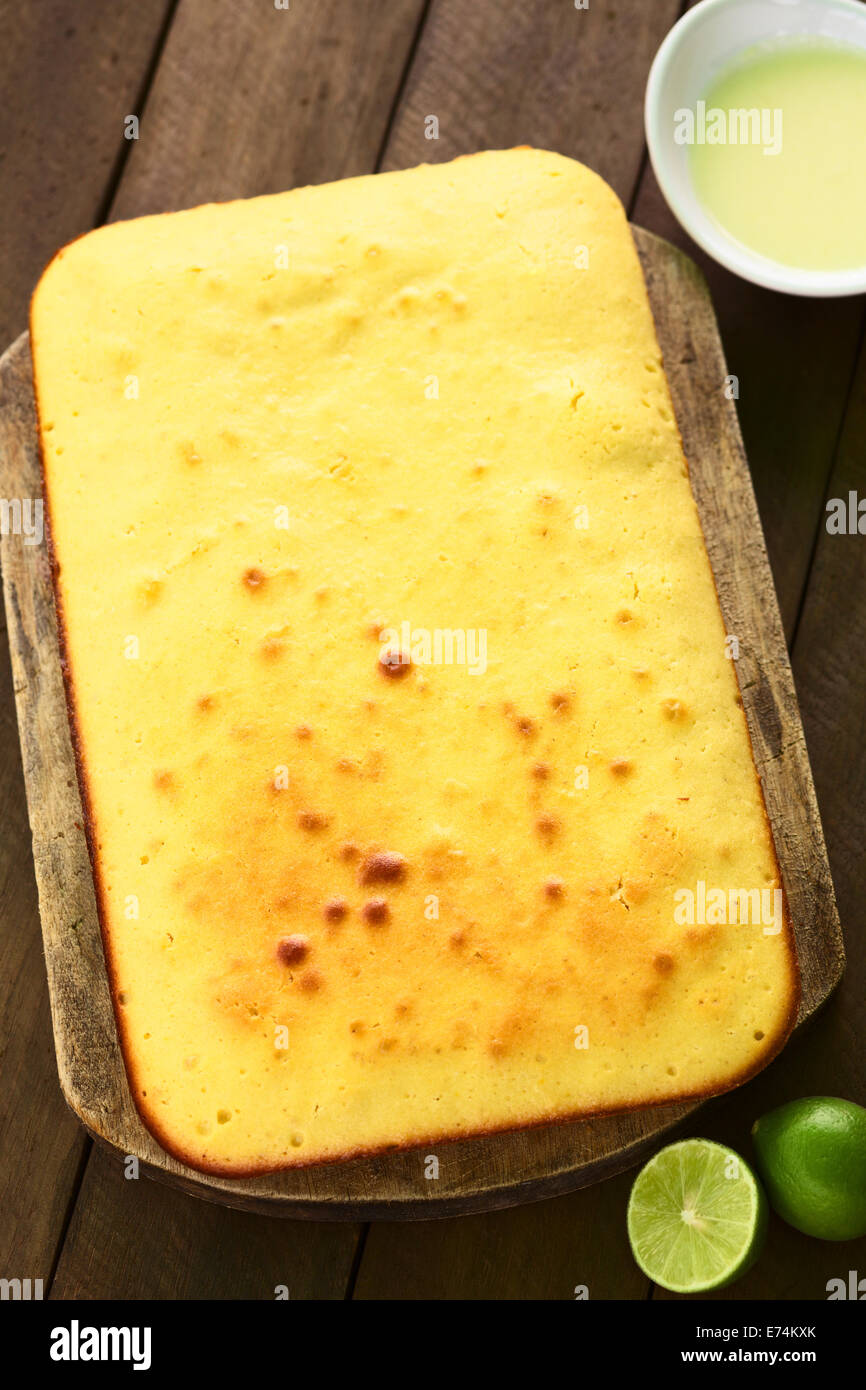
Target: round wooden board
point(474, 1175)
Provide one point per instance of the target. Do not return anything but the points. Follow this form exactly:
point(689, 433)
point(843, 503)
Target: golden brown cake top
point(402, 693)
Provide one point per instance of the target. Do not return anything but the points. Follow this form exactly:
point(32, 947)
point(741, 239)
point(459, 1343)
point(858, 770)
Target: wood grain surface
point(498, 72)
point(500, 1170)
point(249, 99)
point(69, 75)
point(173, 1247)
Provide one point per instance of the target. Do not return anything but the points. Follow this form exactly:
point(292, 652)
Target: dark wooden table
point(237, 97)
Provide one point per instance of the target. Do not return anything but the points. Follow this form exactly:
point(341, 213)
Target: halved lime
point(697, 1217)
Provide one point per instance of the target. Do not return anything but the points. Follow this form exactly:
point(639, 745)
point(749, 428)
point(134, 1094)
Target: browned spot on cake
point(496, 1047)
point(150, 588)
point(620, 767)
point(561, 701)
point(457, 939)
point(547, 826)
point(525, 724)
point(336, 909)
point(402, 1007)
point(395, 665)
point(312, 820)
point(347, 765)
point(310, 981)
point(635, 890)
point(383, 867)
point(541, 771)
point(373, 764)
point(387, 1044)
point(663, 963)
point(554, 888)
point(376, 911)
point(204, 702)
point(254, 578)
point(357, 1026)
point(188, 452)
point(303, 731)
point(291, 950)
point(349, 852)
point(272, 648)
point(624, 616)
point(673, 709)
point(163, 779)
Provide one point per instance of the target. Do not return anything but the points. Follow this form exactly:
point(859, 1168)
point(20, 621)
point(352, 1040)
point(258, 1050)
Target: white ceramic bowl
point(697, 48)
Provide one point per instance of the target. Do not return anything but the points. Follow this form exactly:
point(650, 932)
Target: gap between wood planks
point(125, 149)
point(403, 83)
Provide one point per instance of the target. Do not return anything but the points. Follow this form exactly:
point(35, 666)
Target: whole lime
point(812, 1157)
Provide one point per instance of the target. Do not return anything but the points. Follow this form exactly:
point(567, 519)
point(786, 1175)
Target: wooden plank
point(482, 1173)
point(250, 99)
point(137, 1239)
point(793, 360)
point(498, 73)
point(69, 76)
point(831, 676)
point(553, 1250)
point(41, 1146)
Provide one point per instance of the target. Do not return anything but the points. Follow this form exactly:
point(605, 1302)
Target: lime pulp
point(697, 1217)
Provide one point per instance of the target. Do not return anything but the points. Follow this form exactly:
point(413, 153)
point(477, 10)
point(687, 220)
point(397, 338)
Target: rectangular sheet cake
point(411, 748)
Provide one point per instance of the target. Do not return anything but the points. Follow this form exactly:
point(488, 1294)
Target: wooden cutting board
point(474, 1175)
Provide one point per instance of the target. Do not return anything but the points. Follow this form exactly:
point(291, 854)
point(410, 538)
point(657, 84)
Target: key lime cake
point(420, 799)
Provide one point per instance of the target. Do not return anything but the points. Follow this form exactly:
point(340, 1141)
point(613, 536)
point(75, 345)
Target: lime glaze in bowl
point(701, 46)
